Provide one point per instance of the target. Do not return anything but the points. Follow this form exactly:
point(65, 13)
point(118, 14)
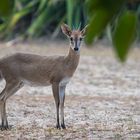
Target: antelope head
point(75, 36)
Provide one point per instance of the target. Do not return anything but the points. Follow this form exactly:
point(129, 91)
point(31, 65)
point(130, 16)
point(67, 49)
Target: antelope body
point(29, 69)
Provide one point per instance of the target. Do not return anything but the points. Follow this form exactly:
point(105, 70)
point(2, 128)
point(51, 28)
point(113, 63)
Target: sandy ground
point(102, 99)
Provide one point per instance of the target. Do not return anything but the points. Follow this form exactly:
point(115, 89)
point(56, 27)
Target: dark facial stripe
point(76, 42)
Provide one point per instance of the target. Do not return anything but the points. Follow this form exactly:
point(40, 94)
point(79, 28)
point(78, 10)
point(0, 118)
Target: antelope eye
point(71, 39)
point(80, 38)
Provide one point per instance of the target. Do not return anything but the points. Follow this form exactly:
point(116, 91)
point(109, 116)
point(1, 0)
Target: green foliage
point(44, 17)
point(19, 14)
point(102, 13)
point(41, 16)
point(9, 25)
point(125, 34)
point(6, 8)
point(34, 18)
point(97, 24)
point(75, 11)
point(70, 10)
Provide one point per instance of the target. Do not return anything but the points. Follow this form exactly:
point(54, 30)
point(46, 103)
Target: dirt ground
point(102, 100)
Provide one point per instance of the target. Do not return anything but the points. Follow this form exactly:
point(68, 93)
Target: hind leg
point(4, 123)
point(9, 90)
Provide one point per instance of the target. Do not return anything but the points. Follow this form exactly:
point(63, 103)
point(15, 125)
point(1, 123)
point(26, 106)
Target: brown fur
point(38, 69)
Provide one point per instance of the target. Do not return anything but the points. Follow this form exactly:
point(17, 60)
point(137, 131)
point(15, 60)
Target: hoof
point(58, 126)
point(63, 126)
point(6, 127)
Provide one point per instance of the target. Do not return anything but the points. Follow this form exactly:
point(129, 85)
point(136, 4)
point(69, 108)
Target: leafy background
point(116, 20)
point(103, 98)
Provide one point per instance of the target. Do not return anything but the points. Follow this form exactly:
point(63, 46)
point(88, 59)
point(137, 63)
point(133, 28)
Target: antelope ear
point(83, 31)
point(66, 29)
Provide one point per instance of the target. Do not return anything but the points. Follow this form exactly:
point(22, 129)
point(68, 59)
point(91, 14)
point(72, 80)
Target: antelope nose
point(76, 49)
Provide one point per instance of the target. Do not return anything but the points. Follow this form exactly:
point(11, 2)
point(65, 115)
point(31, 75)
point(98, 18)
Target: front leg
point(62, 99)
point(55, 89)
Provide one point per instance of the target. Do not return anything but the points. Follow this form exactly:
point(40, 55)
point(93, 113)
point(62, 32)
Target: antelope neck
point(72, 58)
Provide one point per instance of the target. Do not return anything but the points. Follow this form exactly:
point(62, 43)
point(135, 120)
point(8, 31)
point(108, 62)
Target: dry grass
point(102, 100)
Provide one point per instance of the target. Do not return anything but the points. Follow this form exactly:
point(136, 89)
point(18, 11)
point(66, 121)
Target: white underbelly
point(63, 82)
point(35, 84)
